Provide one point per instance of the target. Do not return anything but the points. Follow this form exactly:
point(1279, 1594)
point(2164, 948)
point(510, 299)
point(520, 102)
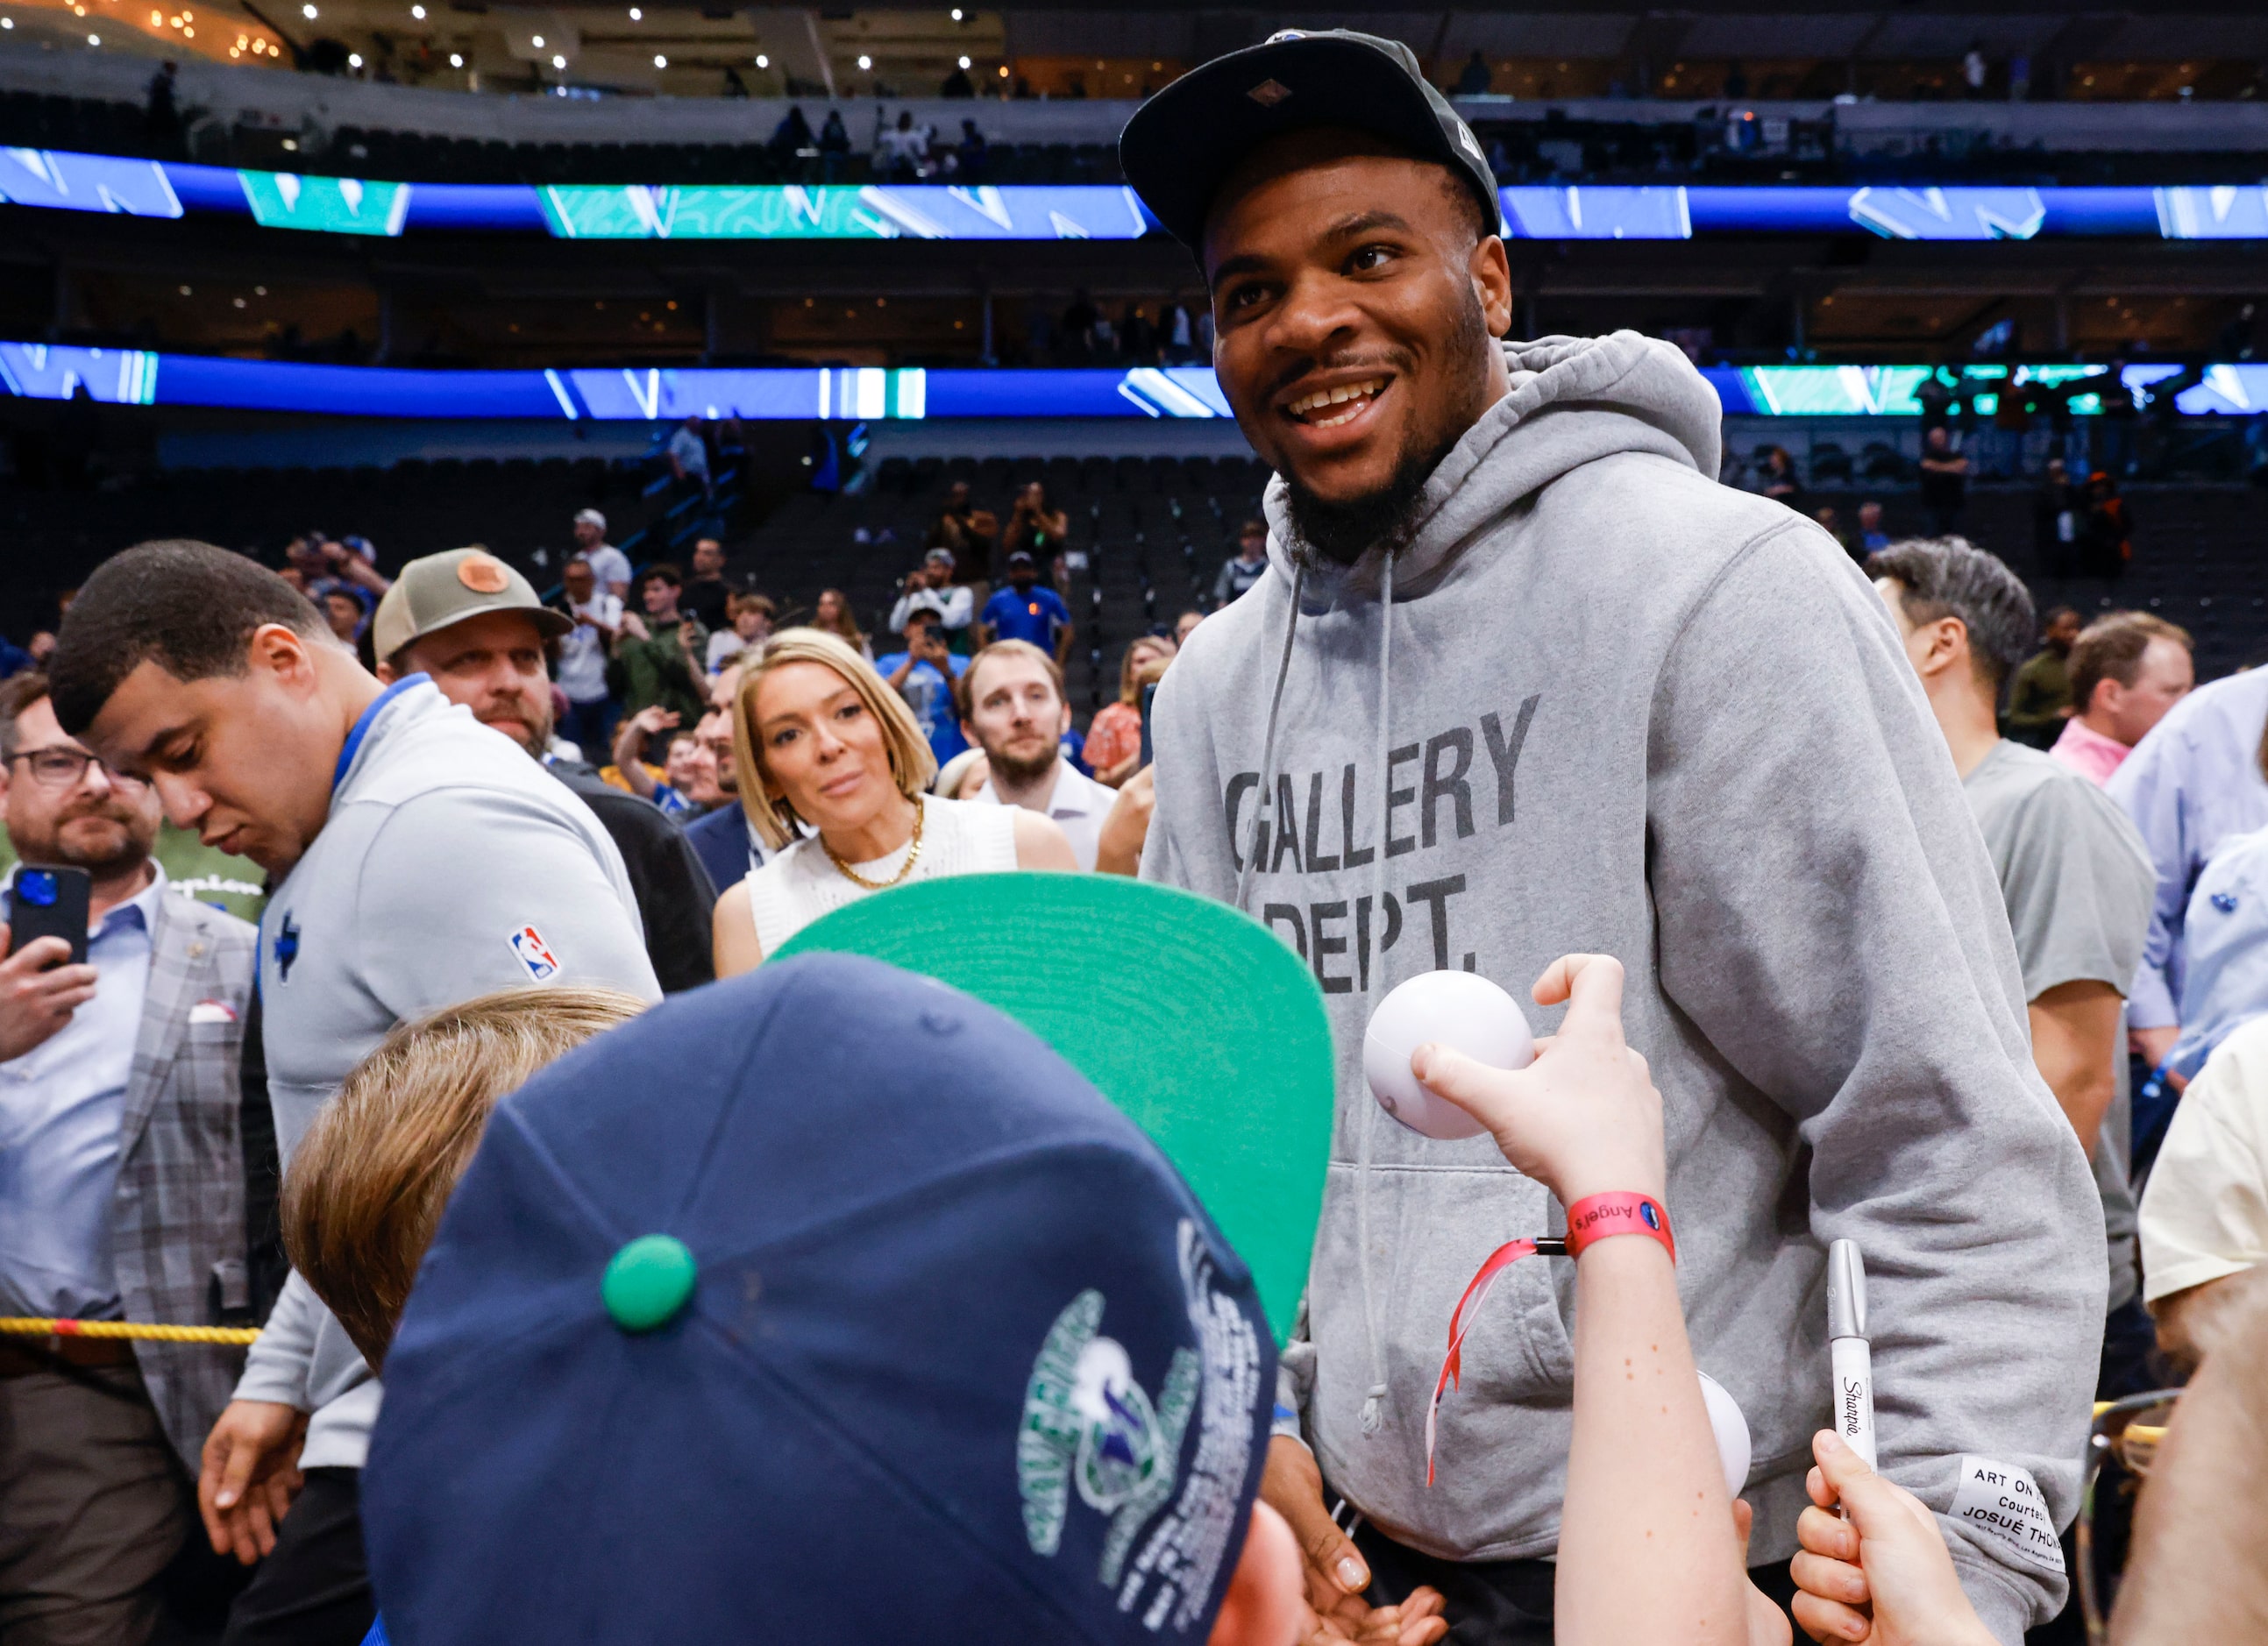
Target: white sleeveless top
point(802, 883)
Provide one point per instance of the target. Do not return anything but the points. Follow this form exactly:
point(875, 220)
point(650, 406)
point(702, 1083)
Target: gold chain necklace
point(913, 856)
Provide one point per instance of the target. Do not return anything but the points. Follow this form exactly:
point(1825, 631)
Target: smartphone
point(1149, 697)
point(50, 903)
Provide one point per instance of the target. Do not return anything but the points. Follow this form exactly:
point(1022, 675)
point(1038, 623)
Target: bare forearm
point(1646, 1543)
point(2075, 1044)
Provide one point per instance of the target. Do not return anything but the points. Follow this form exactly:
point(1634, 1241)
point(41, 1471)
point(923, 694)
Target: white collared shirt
point(1077, 803)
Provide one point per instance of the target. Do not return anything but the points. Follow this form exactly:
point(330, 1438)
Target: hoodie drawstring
point(1374, 1406)
point(1265, 797)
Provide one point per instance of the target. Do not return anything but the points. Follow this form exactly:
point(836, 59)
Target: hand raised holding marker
point(1889, 1556)
point(1584, 1118)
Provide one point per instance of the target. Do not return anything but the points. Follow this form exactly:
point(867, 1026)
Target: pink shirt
point(2087, 751)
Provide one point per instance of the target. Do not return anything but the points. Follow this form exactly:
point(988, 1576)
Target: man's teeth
point(1356, 391)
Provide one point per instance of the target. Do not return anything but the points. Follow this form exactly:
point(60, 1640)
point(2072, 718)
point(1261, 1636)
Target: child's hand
point(1584, 1118)
point(1889, 1552)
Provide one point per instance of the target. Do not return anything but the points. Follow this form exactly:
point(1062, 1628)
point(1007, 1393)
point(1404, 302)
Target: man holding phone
point(923, 675)
point(121, 1025)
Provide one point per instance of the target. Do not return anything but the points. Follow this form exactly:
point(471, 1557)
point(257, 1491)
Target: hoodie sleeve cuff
point(2006, 1607)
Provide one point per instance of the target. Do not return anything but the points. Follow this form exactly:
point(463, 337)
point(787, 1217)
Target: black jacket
point(674, 896)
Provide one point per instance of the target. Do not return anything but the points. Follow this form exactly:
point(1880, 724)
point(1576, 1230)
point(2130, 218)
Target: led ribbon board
point(133, 377)
point(56, 179)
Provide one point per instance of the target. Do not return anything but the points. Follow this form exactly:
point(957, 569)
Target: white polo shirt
point(1078, 805)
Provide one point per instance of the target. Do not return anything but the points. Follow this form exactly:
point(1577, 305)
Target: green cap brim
point(1198, 1023)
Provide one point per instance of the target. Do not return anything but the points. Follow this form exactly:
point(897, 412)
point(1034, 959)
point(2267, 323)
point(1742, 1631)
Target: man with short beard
point(1524, 678)
point(124, 1197)
point(485, 649)
point(1014, 708)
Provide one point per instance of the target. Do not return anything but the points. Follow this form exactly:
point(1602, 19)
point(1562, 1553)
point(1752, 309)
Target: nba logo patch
point(534, 954)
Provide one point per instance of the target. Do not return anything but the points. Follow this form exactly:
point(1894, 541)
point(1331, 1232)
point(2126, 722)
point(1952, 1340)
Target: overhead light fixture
point(354, 59)
point(94, 40)
point(636, 15)
point(660, 62)
point(956, 14)
point(456, 60)
point(763, 61)
point(964, 63)
point(537, 42)
point(417, 11)
point(865, 61)
point(558, 61)
point(307, 11)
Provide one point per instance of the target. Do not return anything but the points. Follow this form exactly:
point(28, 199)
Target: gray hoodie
point(1622, 709)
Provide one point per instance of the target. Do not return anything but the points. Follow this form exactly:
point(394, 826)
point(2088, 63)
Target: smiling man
point(419, 860)
point(1523, 678)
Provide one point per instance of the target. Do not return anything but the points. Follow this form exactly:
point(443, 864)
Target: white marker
point(1847, 1349)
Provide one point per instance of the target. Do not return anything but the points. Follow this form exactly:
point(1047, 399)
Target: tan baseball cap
point(440, 590)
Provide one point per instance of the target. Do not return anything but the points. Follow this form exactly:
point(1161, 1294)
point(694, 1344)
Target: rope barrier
point(18, 1326)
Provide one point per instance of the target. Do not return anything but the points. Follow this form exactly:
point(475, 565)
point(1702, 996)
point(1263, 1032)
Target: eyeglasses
point(2132, 1431)
point(60, 770)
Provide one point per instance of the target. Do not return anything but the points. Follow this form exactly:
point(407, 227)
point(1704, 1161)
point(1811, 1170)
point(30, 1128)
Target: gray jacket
point(1620, 708)
point(178, 1230)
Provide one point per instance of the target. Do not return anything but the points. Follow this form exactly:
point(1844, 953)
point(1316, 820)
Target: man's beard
point(1021, 771)
point(133, 848)
point(1343, 532)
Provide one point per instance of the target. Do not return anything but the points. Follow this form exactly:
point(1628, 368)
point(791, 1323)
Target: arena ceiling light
point(964, 63)
point(417, 11)
point(558, 61)
point(637, 15)
point(660, 62)
point(763, 61)
point(865, 61)
point(456, 60)
point(307, 11)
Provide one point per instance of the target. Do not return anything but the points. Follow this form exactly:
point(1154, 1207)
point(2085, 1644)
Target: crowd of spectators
point(757, 765)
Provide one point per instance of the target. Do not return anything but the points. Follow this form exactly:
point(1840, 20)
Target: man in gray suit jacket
point(121, 1196)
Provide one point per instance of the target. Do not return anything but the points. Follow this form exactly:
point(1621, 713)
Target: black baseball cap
point(1183, 142)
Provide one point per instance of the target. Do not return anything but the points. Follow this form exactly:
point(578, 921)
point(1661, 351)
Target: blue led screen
point(131, 377)
point(56, 180)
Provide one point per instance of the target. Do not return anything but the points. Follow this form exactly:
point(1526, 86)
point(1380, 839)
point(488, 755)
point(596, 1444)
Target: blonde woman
point(1114, 741)
point(832, 767)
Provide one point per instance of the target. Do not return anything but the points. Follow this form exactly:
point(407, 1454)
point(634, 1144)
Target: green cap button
point(648, 1281)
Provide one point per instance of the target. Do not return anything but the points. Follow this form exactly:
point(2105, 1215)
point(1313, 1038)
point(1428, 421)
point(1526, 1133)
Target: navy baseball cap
point(1182, 145)
point(824, 1304)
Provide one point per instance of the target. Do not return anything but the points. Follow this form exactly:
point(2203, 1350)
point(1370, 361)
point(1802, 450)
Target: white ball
point(1462, 1010)
point(1731, 1431)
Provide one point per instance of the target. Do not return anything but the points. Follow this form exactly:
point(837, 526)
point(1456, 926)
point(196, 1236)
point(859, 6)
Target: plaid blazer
point(178, 1223)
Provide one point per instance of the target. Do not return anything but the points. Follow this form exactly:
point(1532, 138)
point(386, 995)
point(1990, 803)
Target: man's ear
point(1947, 647)
point(1490, 270)
point(388, 674)
point(283, 652)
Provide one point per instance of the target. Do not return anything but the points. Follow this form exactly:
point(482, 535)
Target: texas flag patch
point(534, 954)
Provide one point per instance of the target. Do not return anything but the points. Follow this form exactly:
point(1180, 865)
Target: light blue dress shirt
point(2225, 934)
point(62, 1104)
point(2189, 785)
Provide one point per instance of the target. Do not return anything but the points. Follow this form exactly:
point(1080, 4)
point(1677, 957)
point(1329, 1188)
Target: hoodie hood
point(1573, 400)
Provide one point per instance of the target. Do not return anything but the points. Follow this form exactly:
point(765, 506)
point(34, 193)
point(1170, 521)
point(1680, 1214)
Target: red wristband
point(1597, 1217)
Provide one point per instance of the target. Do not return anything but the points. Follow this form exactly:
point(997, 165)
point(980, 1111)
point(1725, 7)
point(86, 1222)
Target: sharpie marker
point(1847, 1349)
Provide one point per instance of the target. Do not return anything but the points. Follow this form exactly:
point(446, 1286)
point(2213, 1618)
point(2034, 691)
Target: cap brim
point(1194, 1019)
point(548, 623)
point(1182, 145)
